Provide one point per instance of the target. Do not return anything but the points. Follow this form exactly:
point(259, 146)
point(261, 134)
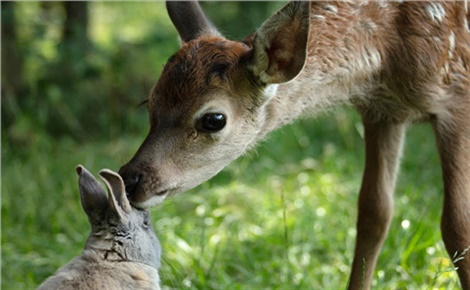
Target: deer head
point(211, 102)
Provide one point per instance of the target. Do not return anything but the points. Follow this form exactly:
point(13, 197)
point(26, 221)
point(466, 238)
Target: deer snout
point(143, 187)
point(132, 183)
point(131, 180)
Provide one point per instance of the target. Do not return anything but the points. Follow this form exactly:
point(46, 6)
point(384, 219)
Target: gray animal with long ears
point(122, 251)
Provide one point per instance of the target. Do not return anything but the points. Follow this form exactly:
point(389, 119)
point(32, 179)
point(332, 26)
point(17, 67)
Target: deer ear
point(189, 19)
point(280, 44)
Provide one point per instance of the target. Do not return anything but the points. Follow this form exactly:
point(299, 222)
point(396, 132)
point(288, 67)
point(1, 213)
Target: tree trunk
point(75, 41)
point(12, 65)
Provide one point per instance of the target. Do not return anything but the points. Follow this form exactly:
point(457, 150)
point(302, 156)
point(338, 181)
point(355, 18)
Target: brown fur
point(396, 62)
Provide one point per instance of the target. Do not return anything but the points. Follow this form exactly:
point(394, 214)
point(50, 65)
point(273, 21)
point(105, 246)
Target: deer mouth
point(162, 192)
point(150, 199)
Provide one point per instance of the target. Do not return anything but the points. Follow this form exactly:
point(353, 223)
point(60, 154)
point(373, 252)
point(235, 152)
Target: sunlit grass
point(281, 217)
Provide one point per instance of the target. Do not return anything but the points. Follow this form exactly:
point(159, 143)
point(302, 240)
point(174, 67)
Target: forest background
point(282, 217)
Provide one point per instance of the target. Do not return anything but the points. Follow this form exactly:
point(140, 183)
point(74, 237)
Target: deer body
point(395, 62)
point(396, 74)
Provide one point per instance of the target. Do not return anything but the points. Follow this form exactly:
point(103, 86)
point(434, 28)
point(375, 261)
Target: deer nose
point(132, 183)
point(131, 180)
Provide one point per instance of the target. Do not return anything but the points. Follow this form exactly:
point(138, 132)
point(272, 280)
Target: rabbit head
point(119, 231)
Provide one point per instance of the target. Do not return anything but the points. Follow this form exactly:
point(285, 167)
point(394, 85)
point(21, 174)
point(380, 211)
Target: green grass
point(282, 217)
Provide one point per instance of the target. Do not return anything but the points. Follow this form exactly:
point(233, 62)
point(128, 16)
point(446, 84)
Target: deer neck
point(345, 57)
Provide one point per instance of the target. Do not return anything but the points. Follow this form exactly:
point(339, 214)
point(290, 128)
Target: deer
point(396, 63)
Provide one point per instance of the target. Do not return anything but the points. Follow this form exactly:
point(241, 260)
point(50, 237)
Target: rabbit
point(122, 251)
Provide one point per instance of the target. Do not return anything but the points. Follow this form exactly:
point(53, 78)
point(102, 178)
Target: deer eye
point(213, 122)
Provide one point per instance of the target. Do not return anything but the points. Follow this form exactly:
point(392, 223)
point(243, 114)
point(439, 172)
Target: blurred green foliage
point(85, 76)
point(282, 217)
point(83, 94)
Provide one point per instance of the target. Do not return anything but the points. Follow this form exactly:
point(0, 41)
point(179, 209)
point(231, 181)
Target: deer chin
point(145, 200)
point(155, 189)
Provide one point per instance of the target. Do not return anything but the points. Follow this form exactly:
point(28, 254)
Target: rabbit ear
point(92, 195)
point(117, 191)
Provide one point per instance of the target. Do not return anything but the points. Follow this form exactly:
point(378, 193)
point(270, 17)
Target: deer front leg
point(453, 139)
point(383, 143)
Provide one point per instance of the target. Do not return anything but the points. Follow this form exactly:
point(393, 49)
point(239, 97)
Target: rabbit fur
point(122, 251)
